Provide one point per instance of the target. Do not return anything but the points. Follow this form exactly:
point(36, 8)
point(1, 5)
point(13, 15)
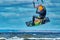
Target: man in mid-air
point(41, 10)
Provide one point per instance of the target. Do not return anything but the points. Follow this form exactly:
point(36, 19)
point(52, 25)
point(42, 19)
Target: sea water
point(14, 14)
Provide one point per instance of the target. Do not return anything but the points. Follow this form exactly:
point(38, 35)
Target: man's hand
point(34, 3)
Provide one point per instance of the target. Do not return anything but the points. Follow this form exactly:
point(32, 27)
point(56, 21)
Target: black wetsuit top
point(42, 13)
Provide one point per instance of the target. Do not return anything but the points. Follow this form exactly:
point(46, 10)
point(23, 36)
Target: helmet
point(40, 7)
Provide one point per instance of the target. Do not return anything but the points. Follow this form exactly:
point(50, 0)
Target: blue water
point(14, 15)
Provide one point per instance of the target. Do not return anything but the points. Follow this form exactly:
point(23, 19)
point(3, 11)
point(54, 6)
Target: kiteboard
point(37, 22)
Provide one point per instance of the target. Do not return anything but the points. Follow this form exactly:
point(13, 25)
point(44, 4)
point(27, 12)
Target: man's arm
point(35, 6)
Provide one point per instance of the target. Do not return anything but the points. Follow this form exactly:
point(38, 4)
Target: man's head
point(40, 7)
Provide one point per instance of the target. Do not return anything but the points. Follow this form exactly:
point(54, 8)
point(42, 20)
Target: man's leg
point(33, 19)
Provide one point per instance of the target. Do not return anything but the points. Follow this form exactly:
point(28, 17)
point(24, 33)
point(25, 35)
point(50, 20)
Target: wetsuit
point(42, 14)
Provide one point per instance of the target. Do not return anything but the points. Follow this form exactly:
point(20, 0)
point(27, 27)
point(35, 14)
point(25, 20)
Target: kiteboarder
point(41, 10)
point(41, 19)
